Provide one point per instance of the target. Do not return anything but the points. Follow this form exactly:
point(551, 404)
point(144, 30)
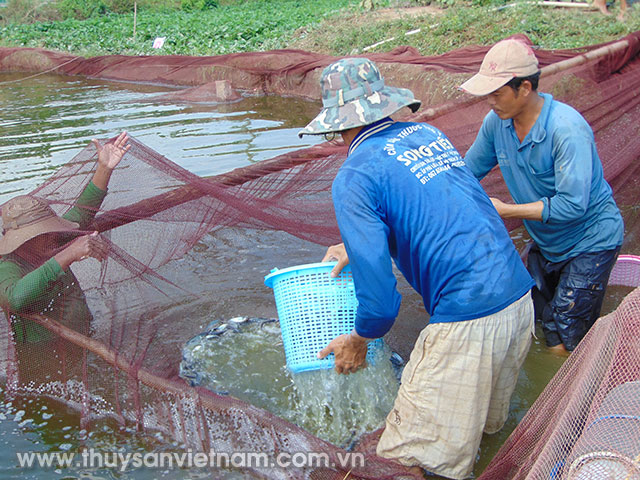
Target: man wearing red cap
point(548, 158)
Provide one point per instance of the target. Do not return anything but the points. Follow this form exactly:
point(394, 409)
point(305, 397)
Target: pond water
point(47, 119)
point(335, 408)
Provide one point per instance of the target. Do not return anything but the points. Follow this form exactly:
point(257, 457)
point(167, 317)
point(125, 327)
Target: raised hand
point(110, 154)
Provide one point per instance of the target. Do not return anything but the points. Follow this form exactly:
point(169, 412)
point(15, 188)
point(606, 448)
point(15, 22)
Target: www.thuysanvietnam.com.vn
point(90, 458)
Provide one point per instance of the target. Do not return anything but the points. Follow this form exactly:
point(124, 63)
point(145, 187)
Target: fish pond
point(47, 119)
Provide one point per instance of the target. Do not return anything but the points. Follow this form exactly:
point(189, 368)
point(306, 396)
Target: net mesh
point(586, 423)
point(121, 360)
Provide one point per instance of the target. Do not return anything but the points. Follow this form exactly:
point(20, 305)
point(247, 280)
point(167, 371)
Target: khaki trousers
point(457, 384)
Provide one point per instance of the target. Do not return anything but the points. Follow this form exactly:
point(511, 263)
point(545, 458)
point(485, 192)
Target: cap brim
point(362, 111)
point(13, 238)
point(481, 85)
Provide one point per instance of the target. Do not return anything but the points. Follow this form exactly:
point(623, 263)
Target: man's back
point(407, 184)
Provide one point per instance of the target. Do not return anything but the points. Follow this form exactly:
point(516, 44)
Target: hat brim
point(13, 238)
point(481, 85)
point(362, 111)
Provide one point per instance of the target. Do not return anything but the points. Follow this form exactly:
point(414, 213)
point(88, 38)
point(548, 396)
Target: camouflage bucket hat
point(354, 95)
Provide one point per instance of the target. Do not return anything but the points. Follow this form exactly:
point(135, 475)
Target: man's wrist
point(358, 338)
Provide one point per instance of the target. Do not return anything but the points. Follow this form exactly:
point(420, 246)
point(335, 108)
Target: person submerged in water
point(36, 252)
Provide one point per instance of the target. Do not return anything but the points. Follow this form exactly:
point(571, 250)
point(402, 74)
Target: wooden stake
point(135, 19)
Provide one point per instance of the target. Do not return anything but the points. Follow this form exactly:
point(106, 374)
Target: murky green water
point(45, 120)
point(336, 408)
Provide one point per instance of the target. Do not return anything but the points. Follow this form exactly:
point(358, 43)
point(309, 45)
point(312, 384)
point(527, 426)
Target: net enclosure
point(120, 360)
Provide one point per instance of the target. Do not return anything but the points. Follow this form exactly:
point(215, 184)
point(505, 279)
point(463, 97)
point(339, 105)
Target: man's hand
point(109, 155)
point(83, 247)
point(350, 351)
point(339, 253)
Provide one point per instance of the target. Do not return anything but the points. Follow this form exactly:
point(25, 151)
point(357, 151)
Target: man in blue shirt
point(405, 194)
point(548, 158)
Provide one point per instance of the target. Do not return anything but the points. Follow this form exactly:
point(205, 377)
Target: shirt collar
point(538, 132)
point(369, 130)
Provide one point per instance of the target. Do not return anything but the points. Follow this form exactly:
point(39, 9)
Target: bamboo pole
point(135, 19)
point(180, 388)
point(159, 203)
point(557, 67)
point(584, 58)
point(109, 355)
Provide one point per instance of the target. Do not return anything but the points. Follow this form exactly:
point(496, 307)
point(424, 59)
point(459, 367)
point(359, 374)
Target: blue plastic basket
point(313, 309)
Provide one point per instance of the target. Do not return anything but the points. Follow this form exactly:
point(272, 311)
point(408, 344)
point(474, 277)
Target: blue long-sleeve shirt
point(556, 163)
point(405, 194)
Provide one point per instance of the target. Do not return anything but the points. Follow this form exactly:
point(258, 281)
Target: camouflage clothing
point(354, 95)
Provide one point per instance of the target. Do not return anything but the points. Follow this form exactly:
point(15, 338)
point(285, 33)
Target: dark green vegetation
point(340, 27)
point(234, 27)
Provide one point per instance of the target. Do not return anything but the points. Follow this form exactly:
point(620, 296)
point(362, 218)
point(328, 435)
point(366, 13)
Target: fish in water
point(191, 367)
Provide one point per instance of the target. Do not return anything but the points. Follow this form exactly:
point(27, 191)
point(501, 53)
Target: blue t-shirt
point(404, 193)
point(557, 163)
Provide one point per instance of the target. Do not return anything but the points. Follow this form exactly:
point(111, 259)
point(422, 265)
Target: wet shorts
point(568, 295)
point(457, 384)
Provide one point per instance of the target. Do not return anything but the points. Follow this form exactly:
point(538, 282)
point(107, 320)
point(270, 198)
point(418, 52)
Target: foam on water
point(247, 360)
point(39, 425)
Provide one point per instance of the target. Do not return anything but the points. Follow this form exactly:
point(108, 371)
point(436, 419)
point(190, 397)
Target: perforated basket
point(313, 309)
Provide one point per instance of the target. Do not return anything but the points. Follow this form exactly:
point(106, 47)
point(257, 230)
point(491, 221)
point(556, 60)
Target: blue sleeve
point(481, 156)
point(365, 236)
point(573, 168)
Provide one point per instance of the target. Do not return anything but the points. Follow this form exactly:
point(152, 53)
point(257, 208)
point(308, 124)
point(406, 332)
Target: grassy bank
point(465, 24)
point(234, 27)
point(338, 27)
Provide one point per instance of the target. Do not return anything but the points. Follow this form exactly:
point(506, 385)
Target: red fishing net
point(122, 363)
point(586, 423)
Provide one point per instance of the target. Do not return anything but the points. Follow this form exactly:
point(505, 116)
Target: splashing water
point(245, 358)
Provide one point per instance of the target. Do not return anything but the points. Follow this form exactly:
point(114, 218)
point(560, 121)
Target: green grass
point(237, 27)
point(337, 27)
point(466, 24)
